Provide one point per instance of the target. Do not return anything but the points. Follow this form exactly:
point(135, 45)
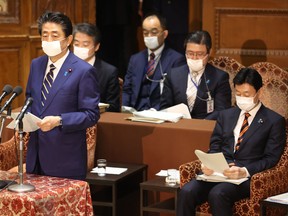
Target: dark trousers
point(220, 196)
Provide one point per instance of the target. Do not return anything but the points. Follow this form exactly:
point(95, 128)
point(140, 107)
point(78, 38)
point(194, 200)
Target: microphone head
point(8, 89)
point(29, 100)
point(17, 90)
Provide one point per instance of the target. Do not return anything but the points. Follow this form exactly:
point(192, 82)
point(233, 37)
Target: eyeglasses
point(199, 55)
point(152, 33)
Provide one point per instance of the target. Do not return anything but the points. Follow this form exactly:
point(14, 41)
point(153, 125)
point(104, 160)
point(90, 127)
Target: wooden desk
point(118, 187)
point(160, 146)
point(52, 196)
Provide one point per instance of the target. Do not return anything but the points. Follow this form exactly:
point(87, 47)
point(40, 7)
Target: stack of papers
point(281, 198)
point(158, 115)
point(179, 108)
point(111, 170)
point(218, 163)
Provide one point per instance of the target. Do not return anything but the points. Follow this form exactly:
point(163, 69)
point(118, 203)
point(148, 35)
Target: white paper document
point(179, 108)
point(165, 116)
point(218, 163)
point(281, 198)
point(111, 170)
point(29, 122)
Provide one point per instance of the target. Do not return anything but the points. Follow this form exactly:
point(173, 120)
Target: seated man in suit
point(86, 43)
point(252, 139)
point(202, 87)
point(143, 82)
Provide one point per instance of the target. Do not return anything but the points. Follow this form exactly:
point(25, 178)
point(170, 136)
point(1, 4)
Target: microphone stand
point(20, 188)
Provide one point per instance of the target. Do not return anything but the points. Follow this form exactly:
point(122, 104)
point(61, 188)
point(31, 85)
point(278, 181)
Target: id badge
point(210, 106)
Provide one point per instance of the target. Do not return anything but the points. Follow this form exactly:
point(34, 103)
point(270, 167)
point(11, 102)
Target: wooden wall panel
point(14, 61)
point(248, 31)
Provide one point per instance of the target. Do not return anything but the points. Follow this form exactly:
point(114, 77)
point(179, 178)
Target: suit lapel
point(256, 124)
point(64, 73)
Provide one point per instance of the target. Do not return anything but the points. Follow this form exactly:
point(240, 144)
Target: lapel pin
point(208, 81)
point(260, 121)
point(70, 70)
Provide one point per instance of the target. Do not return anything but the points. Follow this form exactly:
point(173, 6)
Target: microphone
point(28, 103)
point(6, 91)
point(16, 91)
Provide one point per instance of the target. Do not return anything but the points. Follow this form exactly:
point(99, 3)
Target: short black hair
point(199, 37)
point(161, 19)
point(58, 18)
point(88, 29)
point(250, 76)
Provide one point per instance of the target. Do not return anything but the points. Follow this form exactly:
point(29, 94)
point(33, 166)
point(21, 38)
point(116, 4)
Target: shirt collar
point(59, 62)
point(252, 112)
point(156, 52)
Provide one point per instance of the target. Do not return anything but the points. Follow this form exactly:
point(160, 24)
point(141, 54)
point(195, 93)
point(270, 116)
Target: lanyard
point(206, 83)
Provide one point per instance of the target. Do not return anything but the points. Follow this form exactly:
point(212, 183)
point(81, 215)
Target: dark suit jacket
point(109, 84)
point(62, 151)
point(136, 73)
point(262, 145)
point(175, 87)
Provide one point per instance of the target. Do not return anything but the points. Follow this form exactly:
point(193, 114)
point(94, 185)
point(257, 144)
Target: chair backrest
point(229, 65)
point(274, 93)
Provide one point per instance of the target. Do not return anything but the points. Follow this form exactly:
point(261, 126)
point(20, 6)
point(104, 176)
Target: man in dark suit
point(66, 96)
point(247, 151)
point(202, 87)
point(86, 43)
point(146, 72)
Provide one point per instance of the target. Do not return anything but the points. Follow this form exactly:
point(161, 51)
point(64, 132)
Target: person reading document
point(252, 139)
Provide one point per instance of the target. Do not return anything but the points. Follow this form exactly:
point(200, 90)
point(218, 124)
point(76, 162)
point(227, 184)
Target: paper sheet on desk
point(170, 117)
point(111, 170)
point(29, 122)
point(179, 108)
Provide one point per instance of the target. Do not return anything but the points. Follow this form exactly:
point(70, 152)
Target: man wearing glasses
point(202, 87)
point(147, 69)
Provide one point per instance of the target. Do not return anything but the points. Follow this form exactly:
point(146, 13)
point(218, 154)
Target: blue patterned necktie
point(47, 84)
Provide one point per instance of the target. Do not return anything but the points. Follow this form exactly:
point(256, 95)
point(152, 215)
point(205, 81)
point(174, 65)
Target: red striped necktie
point(151, 65)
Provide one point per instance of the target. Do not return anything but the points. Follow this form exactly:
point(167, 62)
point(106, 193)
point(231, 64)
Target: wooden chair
point(8, 150)
point(229, 65)
point(269, 182)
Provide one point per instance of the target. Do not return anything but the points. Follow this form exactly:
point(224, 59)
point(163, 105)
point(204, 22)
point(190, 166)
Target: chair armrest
point(188, 171)
point(269, 182)
point(8, 157)
point(9, 152)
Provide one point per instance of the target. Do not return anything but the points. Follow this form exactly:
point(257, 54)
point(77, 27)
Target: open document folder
point(29, 122)
point(218, 163)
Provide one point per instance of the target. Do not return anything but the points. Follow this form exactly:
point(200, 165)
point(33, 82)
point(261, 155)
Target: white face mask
point(151, 42)
point(81, 52)
point(245, 103)
point(52, 48)
point(195, 64)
